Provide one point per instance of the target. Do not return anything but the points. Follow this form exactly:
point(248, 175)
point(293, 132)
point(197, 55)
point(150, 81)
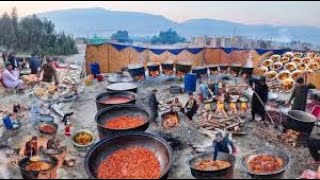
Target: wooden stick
point(226, 120)
point(234, 125)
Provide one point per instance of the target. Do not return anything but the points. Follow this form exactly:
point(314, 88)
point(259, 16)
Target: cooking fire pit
point(170, 119)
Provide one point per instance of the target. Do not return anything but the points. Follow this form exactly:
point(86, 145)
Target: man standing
point(260, 97)
point(14, 61)
point(204, 89)
point(153, 102)
point(300, 95)
point(4, 57)
point(34, 64)
point(191, 107)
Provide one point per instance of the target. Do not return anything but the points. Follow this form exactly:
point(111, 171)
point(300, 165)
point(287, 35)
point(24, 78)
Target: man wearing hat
point(260, 96)
point(49, 72)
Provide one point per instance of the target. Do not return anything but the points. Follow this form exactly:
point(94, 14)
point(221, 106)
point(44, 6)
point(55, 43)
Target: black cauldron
point(270, 175)
point(100, 151)
point(221, 174)
point(47, 174)
point(128, 94)
point(301, 121)
point(109, 113)
point(200, 71)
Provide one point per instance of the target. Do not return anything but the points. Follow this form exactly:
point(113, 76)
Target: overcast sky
point(262, 12)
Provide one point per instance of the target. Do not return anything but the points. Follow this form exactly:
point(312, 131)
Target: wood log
point(232, 126)
point(226, 120)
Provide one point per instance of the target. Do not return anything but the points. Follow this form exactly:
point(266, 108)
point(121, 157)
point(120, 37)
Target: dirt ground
point(259, 136)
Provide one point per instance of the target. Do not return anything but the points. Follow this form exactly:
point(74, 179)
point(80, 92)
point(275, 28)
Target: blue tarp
point(281, 51)
point(228, 50)
point(138, 49)
point(191, 50)
point(175, 51)
point(194, 50)
point(119, 47)
point(158, 51)
point(262, 51)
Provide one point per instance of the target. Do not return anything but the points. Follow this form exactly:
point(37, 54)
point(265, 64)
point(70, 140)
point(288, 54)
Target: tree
point(167, 37)
point(7, 32)
point(14, 19)
point(34, 35)
point(121, 36)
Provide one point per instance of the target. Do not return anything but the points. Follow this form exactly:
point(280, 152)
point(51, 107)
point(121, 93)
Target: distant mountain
point(87, 22)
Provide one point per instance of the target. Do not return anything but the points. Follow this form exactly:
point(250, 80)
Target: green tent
point(97, 40)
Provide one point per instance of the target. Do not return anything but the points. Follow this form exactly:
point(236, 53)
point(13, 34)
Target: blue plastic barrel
point(95, 68)
point(190, 82)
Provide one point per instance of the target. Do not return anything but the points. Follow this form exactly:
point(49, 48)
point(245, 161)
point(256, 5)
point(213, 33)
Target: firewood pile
point(233, 125)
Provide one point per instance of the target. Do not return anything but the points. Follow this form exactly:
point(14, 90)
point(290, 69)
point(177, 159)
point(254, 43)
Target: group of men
point(190, 108)
point(259, 101)
point(261, 91)
point(11, 75)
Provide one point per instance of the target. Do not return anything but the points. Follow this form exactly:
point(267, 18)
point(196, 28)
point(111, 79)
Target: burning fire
point(291, 137)
point(171, 121)
point(220, 106)
point(244, 107)
point(180, 74)
point(140, 77)
point(168, 72)
point(233, 107)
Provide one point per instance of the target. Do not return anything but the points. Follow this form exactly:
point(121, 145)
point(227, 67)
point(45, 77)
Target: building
point(235, 42)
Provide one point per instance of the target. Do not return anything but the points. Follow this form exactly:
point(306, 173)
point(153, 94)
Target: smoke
point(283, 36)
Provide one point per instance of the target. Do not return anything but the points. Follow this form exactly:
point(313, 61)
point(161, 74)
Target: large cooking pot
point(126, 94)
point(109, 113)
point(47, 174)
point(137, 71)
point(248, 71)
point(277, 174)
point(100, 151)
point(301, 121)
point(200, 71)
point(236, 68)
point(167, 66)
point(123, 87)
point(213, 69)
point(185, 68)
point(221, 174)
